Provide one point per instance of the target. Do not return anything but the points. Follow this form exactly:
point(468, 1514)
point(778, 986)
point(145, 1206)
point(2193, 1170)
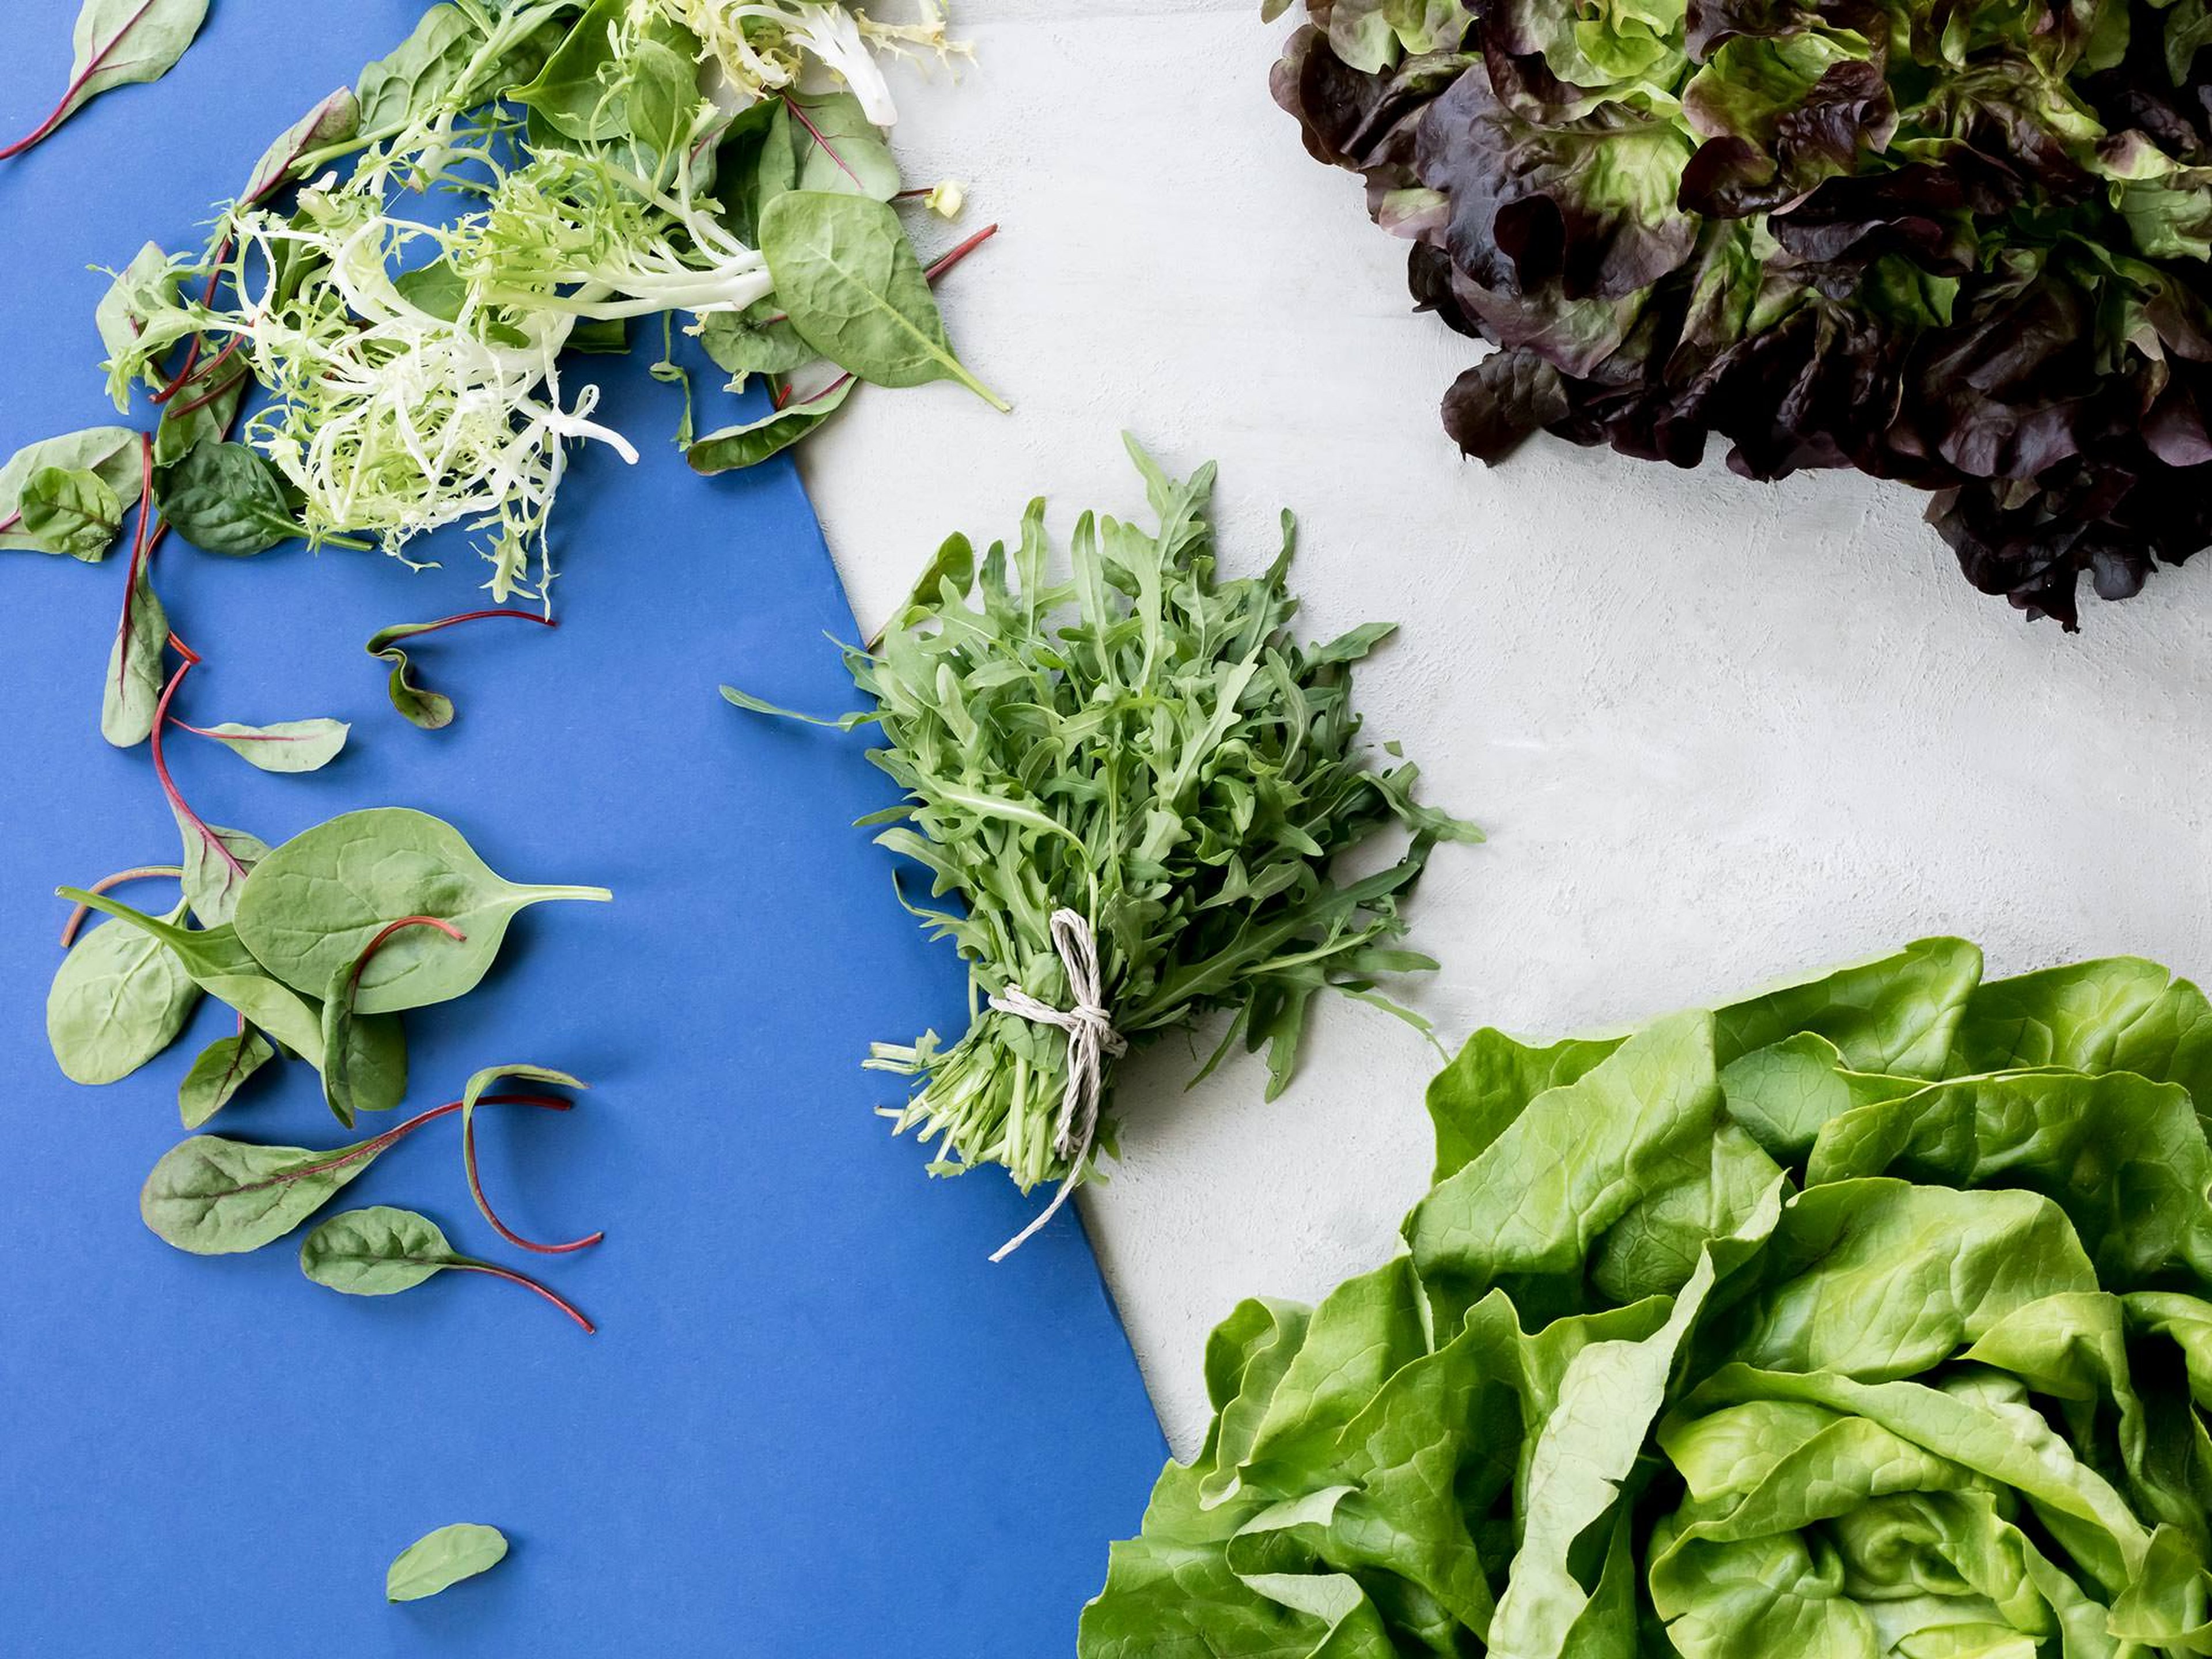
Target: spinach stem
point(143, 872)
point(531, 1284)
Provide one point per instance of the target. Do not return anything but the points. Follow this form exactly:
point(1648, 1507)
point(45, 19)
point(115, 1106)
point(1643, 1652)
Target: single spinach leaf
point(365, 1060)
point(285, 746)
point(419, 72)
point(219, 1073)
point(132, 689)
point(215, 1196)
point(848, 278)
point(225, 498)
point(836, 147)
point(575, 93)
point(119, 998)
point(443, 1558)
point(216, 864)
point(120, 43)
point(382, 1251)
point(110, 453)
point(737, 447)
point(333, 121)
point(69, 511)
point(312, 905)
point(758, 340)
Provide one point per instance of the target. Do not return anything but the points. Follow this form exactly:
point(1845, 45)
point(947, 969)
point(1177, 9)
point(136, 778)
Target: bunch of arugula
point(1147, 745)
point(1868, 1316)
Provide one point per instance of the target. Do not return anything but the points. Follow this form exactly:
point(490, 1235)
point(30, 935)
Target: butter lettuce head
point(1964, 247)
point(1867, 1318)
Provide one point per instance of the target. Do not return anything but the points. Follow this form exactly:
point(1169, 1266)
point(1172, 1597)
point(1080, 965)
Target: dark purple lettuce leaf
point(1967, 247)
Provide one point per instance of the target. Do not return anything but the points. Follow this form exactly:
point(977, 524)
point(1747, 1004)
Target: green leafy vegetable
point(224, 498)
point(440, 1560)
point(109, 453)
point(216, 864)
point(472, 1095)
point(1867, 1317)
point(118, 43)
point(382, 1251)
point(854, 291)
point(311, 908)
point(1147, 745)
point(357, 1072)
point(222, 1069)
point(131, 690)
point(737, 447)
point(119, 998)
point(67, 511)
point(285, 746)
point(431, 710)
point(214, 1196)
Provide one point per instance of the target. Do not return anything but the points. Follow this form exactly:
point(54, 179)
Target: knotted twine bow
point(1092, 1042)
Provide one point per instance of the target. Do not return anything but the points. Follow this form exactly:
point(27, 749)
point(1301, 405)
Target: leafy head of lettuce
point(1964, 247)
point(1867, 1318)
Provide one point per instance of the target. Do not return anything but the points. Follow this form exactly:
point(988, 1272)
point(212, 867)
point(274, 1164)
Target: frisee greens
point(1868, 1316)
point(1143, 742)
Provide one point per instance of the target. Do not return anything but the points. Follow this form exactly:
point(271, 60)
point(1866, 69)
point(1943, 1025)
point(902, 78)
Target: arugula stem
point(143, 872)
point(531, 1284)
point(62, 110)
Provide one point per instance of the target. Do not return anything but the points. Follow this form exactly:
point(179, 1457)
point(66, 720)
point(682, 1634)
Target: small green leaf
point(735, 447)
point(848, 277)
point(132, 688)
point(286, 747)
point(121, 43)
point(219, 1073)
point(443, 1558)
point(225, 498)
point(119, 998)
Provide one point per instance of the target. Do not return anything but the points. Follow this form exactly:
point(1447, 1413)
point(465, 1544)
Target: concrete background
point(1720, 733)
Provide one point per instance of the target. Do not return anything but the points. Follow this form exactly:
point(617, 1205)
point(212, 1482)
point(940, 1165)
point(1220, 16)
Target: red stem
point(353, 981)
point(207, 398)
point(477, 1192)
point(370, 1148)
point(827, 148)
point(61, 111)
point(143, 872)
point(194, 369)
point(478, 616)
point(945, 262)
point(178, 804)
point(531, 1284)
point(140, 550)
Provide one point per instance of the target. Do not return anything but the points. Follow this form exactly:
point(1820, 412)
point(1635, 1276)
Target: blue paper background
point(816, 1420)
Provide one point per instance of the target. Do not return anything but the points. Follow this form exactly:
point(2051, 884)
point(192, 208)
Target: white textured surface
point(1719, 731)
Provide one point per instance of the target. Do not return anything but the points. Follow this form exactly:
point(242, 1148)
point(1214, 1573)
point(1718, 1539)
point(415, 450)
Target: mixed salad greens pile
point(1870, 1316)
point(1960, 247)
point(410, 266)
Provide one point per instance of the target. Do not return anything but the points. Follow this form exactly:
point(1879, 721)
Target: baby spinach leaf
point(663, 95)
point(758, 340)
point(417, 73)
point(443, 1558)
point(132, 688)
point(431, 710)
point(225, 498)
point(332, 121)
point(285, 746)
point(215, 1196)
point(382, 1251)
point(836, 147)
point(120, 43)
point(119, 998)
point(312, 905)
point(848, 278)
point(737, 447)
point(575, 93)
point(219, 1073)
point(110, 453)
point(361, 1067)
point(216, 863)
point(65, 510)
